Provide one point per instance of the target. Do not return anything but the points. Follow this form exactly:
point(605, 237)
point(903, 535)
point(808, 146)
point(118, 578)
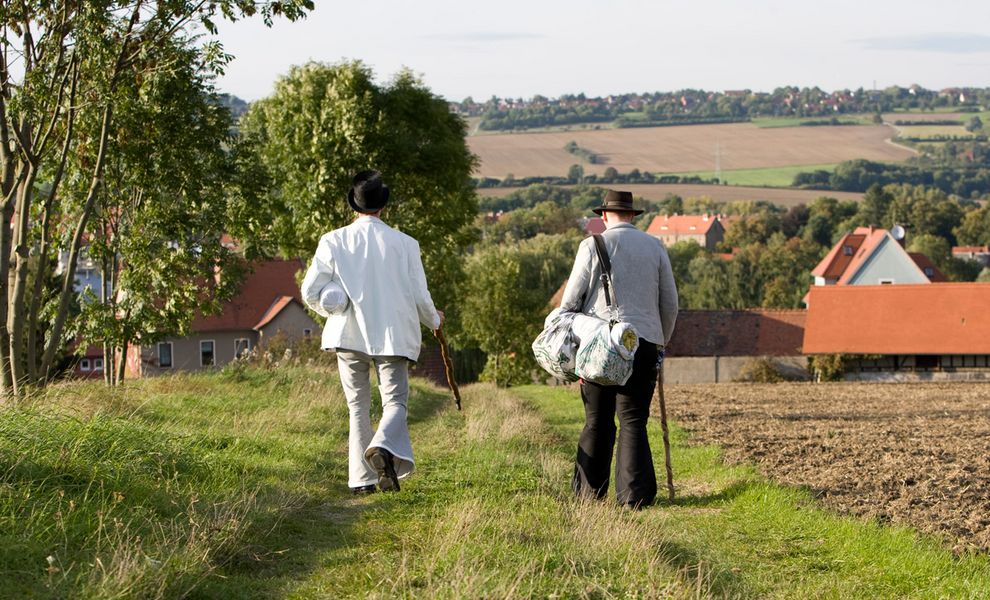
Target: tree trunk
point(17, 317)
point(122, 363)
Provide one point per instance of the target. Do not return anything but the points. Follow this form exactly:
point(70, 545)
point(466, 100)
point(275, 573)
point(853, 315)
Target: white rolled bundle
point(586, 327)
point(333, 299)
point(623, 336)
point(625, 340)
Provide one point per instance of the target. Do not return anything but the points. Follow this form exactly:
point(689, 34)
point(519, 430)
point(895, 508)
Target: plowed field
point(912, 454)
point(683, 148)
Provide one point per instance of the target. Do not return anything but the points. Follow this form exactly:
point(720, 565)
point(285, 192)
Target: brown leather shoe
point(381, 460)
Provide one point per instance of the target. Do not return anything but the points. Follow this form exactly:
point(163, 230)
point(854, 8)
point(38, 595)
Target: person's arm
point(668, 296)
point(579, 281)
point(318, 277)
point(429, 316)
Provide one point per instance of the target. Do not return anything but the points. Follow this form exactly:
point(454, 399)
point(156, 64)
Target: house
point(980, 254)
point(89, 364)
point(267, 305)
point(871, 256)
point(706, 230)
point(934, 331)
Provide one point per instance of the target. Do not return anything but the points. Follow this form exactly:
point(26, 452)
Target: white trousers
point(393, 432)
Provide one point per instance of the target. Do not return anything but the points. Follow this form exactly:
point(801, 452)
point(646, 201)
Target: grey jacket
point(643, 288)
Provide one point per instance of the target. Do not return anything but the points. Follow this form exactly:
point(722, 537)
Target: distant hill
point(235, 105)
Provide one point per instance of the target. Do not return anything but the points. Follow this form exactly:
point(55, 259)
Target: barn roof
point(758, 332)
point(939, 318)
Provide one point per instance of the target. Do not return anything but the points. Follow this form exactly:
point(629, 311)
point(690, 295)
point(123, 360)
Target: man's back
point(382, 274)
point(643, 289)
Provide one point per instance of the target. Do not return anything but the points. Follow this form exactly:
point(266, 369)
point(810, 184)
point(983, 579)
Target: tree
point(575, 174)
point(507, 292)
point(324, 123)
point(160, 212)
point(974, 124)
point(75, 62)
point(974, 230)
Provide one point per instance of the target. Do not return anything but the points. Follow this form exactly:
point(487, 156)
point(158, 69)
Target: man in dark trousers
point(645, 296)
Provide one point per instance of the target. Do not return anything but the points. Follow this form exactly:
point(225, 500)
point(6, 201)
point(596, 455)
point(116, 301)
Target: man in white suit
point(368, 280)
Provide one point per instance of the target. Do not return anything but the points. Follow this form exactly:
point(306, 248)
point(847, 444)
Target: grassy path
point(232, 486)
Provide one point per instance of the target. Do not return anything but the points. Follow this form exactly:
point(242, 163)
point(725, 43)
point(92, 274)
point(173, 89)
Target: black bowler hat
point(617, 202)
point(368, 194)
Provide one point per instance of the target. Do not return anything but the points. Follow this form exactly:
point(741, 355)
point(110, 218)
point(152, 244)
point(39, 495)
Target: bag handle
point(606, 264)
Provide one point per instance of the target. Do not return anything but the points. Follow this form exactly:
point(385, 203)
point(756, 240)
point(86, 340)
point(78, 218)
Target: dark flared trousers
point(635, 478)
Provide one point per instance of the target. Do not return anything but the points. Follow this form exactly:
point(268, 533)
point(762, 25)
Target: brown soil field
point(720, 193)
point(911, 454)
point(682, 148)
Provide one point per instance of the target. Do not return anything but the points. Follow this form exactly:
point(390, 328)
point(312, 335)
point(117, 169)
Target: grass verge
point(232, 485)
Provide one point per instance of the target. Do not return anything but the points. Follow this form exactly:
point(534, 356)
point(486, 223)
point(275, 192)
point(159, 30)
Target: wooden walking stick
point(448, 366)
point(666, 434)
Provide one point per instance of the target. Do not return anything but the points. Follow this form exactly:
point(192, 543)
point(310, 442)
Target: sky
point(515, 48)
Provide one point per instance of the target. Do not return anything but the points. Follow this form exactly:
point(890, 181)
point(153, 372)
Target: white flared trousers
point(392, 433)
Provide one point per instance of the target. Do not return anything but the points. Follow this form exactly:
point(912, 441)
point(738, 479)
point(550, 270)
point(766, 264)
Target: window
point(206, 357)
point(929, 272)
point(97, 364)
point(84, 365)
point(847, 250)
point(165, 355)
point(886, 281)
point(307, 332)
point(241, 346)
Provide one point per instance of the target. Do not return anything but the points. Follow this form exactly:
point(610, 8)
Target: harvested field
point(911, 454)
point(682, 148)
point(720, 193)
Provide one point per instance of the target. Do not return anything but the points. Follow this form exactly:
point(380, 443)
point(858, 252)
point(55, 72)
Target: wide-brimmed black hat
point(617, 202)
point(368, 194)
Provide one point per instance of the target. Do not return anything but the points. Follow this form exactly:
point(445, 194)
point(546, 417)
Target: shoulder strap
point(606, 268)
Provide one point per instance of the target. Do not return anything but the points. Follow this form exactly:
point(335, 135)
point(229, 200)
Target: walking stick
point(448, 365)
point(666, 434)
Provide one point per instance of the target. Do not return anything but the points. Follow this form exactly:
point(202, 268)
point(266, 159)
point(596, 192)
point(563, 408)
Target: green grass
point(773, 122)
point(233, 485)
point(764, 177)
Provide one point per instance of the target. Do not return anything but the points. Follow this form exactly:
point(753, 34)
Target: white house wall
point(888, 262)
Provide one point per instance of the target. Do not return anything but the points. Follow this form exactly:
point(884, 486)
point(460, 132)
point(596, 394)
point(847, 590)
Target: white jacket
point(381, 272)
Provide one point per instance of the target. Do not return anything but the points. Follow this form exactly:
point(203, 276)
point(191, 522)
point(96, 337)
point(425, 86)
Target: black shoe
point(363, 490)
point(382, 461)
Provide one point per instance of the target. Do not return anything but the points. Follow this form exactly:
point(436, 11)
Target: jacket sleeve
point(318, 276)
point(428, 315)
point(668, 296)
point(579, 282)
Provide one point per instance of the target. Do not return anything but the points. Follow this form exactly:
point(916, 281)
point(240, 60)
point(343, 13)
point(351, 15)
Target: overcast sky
point(513, 48)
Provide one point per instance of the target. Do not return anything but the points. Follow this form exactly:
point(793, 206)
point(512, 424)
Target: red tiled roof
point(738, 333)
point(971, 250)
point(280, 303)
point(268, 281)
point(835, 262)
point(681, 224)
point(923, 263)
point(941, 318)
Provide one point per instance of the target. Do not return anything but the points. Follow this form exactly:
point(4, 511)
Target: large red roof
point(268, 283)
point(938, 318)
point(757, 332)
